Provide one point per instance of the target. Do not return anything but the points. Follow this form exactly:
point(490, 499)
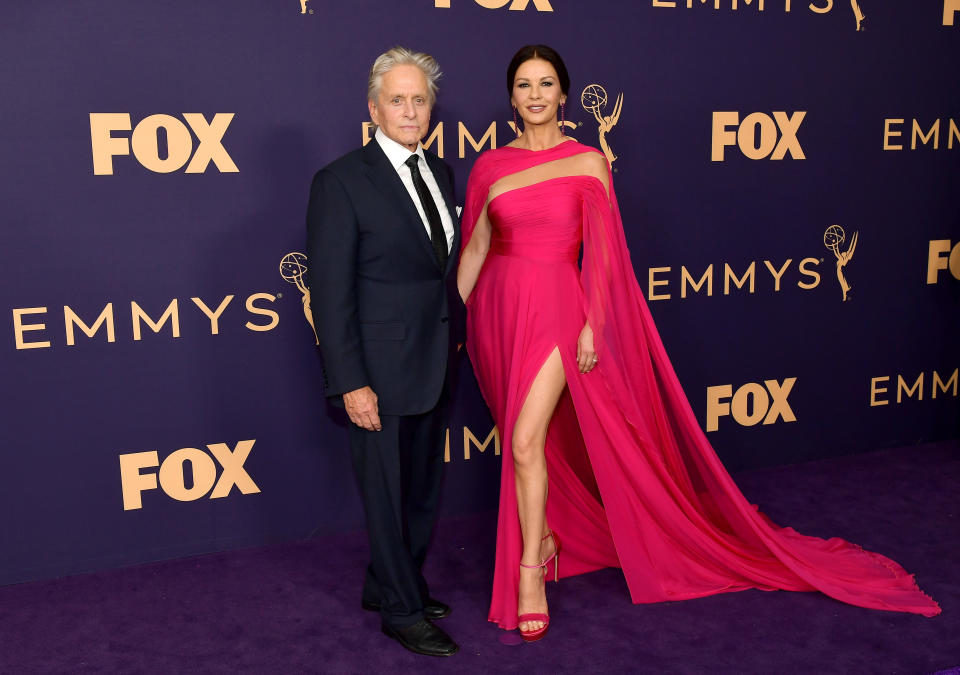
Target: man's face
point(402, 110)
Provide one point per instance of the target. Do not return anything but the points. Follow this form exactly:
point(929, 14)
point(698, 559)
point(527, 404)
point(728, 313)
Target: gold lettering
point(950, 7)
point(263, 311)
point(739, 404)
point(664, 3)
point(747, 135)
point(728, 275)
point(233, 471)
point(889, 133)
point(211, 147)
point(171, 313)
point(446, 447)
point(813, 274)
point(777, 274)
point(780, 407)
point(652, 284)
point(464, 135)
point(172, 474)
point(686, 278)
point(943, 386)
point(717, 406)
point(145, 143)
point(953, 132)
point(132, 482)
point(103, 145)
point(437, 136)
point(788, 134)
point(721, 137)
point(19, 328)
point(469, 439)
point(368, 129)
point(902, 387)
point(492, 4)
point(822, 10)
point(213, 316)
point(876, 389)
point(70, 319)
point(934, 131)
point(936, 261)
point(540, 5)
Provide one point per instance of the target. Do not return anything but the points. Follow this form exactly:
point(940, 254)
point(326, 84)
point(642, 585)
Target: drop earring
point(516, 123)
point(563, 130)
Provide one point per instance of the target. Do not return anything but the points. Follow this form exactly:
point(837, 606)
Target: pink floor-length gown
point(633, 480)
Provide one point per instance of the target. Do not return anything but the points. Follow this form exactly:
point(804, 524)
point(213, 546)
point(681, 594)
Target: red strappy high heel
point(556, 555)
point(536, 634)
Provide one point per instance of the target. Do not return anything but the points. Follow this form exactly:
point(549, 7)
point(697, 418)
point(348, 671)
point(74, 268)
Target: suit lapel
point(386, 179)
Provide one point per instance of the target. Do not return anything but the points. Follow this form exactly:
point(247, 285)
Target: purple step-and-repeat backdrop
point(788, 174)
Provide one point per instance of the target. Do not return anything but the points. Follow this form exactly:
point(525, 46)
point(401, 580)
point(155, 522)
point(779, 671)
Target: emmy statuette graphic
point(593, 99)
point(857, 14)
point(292, 268)
point(832, 238)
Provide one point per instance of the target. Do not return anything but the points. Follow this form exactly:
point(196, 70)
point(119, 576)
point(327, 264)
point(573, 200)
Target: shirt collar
point(396, 153)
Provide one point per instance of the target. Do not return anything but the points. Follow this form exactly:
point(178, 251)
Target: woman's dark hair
point(543, 52)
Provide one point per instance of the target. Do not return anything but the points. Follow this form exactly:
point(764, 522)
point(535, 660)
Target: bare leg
point(530, 467)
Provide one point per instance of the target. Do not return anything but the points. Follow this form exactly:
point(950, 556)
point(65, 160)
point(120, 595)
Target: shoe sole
point(389, 633)
point(376, 608)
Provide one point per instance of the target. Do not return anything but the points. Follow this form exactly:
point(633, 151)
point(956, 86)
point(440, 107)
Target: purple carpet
point(295, 608)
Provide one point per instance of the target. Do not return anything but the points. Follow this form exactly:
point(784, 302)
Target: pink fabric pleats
point(633, 480)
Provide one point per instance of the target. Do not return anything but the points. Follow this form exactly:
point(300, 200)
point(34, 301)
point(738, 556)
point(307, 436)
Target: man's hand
point(361, 405)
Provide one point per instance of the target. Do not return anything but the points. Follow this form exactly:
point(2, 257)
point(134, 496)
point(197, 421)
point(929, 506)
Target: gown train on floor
point(633, 481)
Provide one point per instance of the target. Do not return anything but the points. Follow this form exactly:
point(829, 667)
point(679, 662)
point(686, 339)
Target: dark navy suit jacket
point(386, 315)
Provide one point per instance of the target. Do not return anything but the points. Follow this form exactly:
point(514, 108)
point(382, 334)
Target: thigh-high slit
point(632, 480)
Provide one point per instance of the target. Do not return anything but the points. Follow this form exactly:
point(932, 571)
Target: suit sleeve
point(332, 237)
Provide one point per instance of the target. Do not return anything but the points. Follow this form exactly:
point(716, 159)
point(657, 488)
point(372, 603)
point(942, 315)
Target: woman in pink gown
point(588, 405)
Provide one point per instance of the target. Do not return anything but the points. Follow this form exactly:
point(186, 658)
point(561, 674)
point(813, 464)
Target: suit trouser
point(399, 470)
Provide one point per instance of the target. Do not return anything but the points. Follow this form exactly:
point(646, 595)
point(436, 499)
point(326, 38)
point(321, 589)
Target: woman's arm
point(471, 260)
point(594, 164)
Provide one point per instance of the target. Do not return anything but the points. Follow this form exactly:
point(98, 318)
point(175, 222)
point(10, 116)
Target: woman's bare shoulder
point(592, 162)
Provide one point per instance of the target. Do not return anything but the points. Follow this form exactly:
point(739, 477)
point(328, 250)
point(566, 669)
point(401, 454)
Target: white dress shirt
point(398, 155)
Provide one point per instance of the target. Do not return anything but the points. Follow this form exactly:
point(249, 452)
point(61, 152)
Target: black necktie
point(437, 235)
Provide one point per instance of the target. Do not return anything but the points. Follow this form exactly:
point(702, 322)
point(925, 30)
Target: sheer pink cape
point(659, 504)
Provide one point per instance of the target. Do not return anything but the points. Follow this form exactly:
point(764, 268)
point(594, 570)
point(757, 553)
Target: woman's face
point(536, 92)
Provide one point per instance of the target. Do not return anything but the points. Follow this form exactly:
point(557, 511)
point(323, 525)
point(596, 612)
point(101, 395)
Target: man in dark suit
point(382, 237)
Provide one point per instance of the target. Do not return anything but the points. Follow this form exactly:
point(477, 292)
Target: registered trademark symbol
point(821, 259)
point(310, 12)
point(279, 295)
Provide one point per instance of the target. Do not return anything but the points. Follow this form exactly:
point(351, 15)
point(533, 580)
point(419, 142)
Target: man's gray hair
point(401, 56)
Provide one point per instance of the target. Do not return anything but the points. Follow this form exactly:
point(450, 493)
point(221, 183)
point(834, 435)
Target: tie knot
point(413, 160)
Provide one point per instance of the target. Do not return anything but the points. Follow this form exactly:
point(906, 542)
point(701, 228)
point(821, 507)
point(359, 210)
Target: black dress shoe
point(423, 638)
point(433, 609)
